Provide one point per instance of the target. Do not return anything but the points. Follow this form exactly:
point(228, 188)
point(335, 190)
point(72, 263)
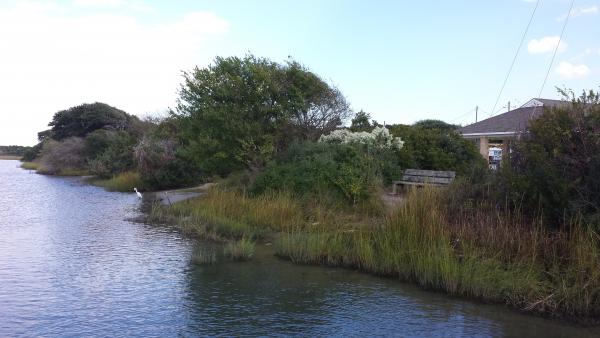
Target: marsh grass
point(204, 256)
point(241, 250)
point(44, 170)
point(123, 182)
point(30, 165)
point(484, 253)
point(488, 256)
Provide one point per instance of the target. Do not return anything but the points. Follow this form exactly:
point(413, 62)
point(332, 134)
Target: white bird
point(139, 195)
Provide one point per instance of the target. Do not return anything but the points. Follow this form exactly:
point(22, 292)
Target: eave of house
point(491, 134)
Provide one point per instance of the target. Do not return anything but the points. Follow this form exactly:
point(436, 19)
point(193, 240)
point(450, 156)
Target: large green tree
point(238, 112)
point(81, 120)
point(554, 167)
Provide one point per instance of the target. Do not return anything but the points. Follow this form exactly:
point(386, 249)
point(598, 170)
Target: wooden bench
point(424, 177)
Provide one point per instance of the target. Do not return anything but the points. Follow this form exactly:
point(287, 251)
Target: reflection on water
point(71, 264)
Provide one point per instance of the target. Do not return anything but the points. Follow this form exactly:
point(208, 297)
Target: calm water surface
point(74, 264)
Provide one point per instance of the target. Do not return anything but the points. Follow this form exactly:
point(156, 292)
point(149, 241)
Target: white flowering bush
point(379, 137)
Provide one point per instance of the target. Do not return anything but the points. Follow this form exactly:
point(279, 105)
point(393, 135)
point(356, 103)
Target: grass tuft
point(204, 256)
point(241, 250)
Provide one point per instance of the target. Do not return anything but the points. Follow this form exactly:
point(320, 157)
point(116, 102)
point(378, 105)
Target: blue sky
point(401, 61)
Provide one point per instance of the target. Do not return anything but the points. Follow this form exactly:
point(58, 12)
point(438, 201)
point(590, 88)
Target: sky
point(400, 61)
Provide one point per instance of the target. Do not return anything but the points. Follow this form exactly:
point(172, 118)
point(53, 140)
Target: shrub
point(163, 166)
point(434, 145)
point(554, 168)
point(321, 168)
point(109, 152)
point(63, 157)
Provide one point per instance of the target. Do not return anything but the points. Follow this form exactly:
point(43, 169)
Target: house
point(500, 130)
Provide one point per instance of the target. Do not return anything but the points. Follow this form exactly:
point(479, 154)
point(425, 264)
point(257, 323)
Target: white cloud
point(545, 45)
point(569, 70)
point(112, 3)
point(50, 62)
point(136, 5)
point(579, 11)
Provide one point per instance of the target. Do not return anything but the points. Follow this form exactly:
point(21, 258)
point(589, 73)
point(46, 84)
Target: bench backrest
point(428, 176)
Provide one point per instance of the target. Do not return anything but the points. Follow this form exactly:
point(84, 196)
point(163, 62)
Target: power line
point(463, 115)
point(557, 46)
point(537, 3)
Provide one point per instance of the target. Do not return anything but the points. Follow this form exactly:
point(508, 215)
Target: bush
point(65, 157)
point(321, 168)
point(434, 145)
point(554, 168)
point(109, 152)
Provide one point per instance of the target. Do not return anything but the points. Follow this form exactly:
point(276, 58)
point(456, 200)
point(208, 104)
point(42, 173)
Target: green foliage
point(33, 152)
point(237, 113)
point(241, 250)
point(110, 152)
point(14, 150)
point(435, 145)
point(180, 172)
point(435, 124)
point(347, 170)
point(89, 138)
point(360, 122)
point(123, 182)
point(81, 120)
point(554, 168)
point(163, 165)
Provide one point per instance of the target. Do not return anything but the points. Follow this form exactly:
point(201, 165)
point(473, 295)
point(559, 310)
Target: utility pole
point(508, 105)
point(476, 111)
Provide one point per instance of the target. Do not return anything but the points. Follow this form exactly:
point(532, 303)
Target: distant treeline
point(13, 150)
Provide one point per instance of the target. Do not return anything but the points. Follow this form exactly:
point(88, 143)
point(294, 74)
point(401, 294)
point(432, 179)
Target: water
point(73, 264)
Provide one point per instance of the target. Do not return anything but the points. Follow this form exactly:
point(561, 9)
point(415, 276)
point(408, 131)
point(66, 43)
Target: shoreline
point(434, 263)
point(10, 157)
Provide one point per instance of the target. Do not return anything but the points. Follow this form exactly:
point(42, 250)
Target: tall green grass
point(241, 250)
point(485, 253)
point(123, 182)
point(30, 165)
point(495, 260)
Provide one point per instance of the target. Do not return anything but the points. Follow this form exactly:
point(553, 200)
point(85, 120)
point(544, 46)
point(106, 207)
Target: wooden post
point(483, 147)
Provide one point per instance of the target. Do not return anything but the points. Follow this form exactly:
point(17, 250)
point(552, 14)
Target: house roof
point(544, 102)
point(513, 121)
point(510, 122)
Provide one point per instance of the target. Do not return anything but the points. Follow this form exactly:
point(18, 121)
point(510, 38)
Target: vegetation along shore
point(295, 167)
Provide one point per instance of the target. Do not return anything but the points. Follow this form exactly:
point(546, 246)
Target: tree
point(238, 112)
point(81, 120)
point(360, 122)
point(554, 167)
point(435, 124)
point(316, 108)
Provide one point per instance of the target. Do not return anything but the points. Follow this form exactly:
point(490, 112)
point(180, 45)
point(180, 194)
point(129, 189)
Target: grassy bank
point(9, 157)
point(123, 182)
point(489, 256)
point(41, 169)
point(30, 165)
